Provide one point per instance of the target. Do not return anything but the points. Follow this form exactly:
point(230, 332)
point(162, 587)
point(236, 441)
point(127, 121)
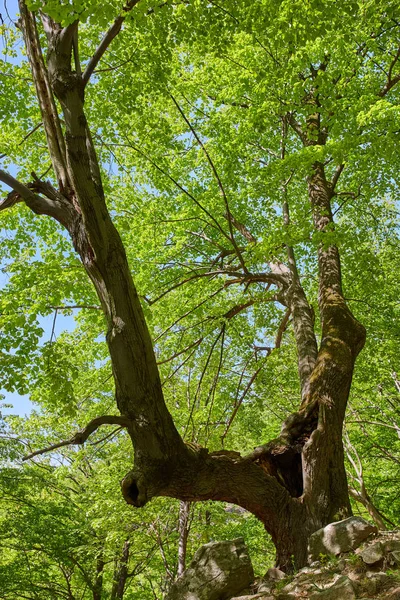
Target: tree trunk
point(183, 527)
point(98, 582)
point(295, 483)
point(121, 573)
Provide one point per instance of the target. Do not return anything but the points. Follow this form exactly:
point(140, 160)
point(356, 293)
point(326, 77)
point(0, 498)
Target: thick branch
point(107, 39)
point(81, 436)
point(58, 208)
point(296, 300)
point(51, 121)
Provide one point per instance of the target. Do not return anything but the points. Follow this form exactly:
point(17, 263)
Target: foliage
point(188, 111)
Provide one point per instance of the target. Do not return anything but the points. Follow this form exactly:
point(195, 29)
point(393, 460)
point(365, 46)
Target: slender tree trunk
point(98, 582)
point(121, 573)
point(183, 528)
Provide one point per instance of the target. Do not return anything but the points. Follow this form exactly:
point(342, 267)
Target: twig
point(81, 436)
point(240, 401)
point(218, 180)
point(391, 82)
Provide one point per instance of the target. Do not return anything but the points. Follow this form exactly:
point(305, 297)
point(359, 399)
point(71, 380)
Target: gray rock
point(218, 571)
point(372, 554)
point(341, 590)
point(339, 537)
point(254, 597)
point(265, 587)
point(394, 557)
point(391, 545)
point(274, 574)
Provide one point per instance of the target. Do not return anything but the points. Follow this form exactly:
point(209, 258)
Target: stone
point(342, 589)
point(218, 571)
point(265, 587)
point(394, 557)
point(339, 537)
point(372, 554)
point(392, 545)
point(254, 597)
point(274, 574)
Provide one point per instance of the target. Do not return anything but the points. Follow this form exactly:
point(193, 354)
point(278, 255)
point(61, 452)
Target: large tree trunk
point(294, 484)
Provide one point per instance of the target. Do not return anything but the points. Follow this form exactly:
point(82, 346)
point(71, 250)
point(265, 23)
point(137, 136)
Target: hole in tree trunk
point(133, 492)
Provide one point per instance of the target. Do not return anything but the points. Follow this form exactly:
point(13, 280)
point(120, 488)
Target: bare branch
point(241, 228)
point(336, 176)
point(282, 328)
point(391, 81)
point(107, 39)
point(218, 180)
point(240, 401)
point(193, 345)
point(48, 108)
point(81, 436)
point(180, 187)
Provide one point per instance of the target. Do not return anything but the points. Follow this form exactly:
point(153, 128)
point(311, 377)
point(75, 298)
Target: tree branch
point(38, 204)
point(218, 180)
point(81, 436)
point(391, 82)
point(107, 39)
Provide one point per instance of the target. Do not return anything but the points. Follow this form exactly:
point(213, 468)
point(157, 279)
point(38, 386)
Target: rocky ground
point(372, 572)
point(348, 560)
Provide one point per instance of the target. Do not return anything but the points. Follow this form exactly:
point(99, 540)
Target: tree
point(317, 87)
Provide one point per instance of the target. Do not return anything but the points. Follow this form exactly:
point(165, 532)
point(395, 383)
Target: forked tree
point(296, 483)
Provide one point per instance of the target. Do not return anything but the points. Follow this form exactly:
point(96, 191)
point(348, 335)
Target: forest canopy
point(206, 195)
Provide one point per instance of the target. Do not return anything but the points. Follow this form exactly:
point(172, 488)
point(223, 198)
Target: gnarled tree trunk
point(294, 484)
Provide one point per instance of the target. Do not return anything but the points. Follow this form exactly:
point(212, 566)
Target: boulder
point(372, 554)
point(218, 571)
point(339, 537)
point(274, 574)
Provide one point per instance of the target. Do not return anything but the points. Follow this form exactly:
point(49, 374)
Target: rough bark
point(294, 484)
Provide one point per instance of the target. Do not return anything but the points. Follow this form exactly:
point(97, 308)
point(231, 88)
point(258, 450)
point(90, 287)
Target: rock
point(265, 587)
point(372, 554)
point(393, 594)
point(341, 590)
point(339, 537)
point(374, 583)
point(274, 574)
point(394, 557)
point(392, 545)
point(218, 571)
point(254, 597)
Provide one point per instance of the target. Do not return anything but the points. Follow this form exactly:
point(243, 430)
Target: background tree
point(246, 129)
